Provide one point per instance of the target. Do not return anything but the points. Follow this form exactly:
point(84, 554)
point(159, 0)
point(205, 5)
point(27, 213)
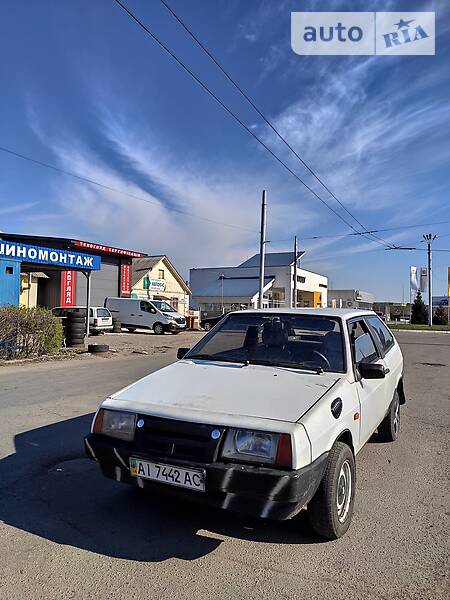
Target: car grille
point(177, 439)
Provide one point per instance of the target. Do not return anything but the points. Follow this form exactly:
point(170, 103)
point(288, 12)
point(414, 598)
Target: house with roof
point(156, 278)
point(217, 290)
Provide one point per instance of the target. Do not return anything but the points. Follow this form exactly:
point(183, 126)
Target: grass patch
point(419, 327)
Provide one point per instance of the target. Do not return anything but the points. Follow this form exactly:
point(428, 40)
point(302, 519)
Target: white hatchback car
point(263, 416)
point(100, 319)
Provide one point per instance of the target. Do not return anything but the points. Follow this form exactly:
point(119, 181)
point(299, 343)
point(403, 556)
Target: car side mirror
point(181, 352)
point(372, 371)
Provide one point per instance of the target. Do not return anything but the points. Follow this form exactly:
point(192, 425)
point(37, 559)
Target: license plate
point(193, 479)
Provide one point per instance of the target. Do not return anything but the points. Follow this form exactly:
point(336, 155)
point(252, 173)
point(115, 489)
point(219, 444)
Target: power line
point(265, 119)
point(118, 191)
point(342, 235)
point(233, 115)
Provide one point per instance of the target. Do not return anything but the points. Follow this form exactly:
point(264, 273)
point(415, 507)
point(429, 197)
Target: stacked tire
point(117, 325)
point(75, 329)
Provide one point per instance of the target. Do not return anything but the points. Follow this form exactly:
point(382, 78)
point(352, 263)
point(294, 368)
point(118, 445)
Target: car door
point(390, 352)
point(146, 314)
point(371, 392)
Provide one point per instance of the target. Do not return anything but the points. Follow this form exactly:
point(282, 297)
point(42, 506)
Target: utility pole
point(429, 237)
point(294, 296)
point(262, 244)
point(222, 276)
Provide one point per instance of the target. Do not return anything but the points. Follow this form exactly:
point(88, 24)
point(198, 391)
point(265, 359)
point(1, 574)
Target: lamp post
point(429, 237)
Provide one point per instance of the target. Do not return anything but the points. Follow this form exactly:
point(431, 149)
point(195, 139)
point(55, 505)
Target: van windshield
point(163, 306)
point(297, 341)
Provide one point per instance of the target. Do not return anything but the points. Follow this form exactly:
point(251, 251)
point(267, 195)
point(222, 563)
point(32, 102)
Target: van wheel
point(207, 326)
point(331, 509)
point(158, 328)
point(389, 428)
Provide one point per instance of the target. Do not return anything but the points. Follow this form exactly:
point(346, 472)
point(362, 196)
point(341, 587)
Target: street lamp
point(428, 238)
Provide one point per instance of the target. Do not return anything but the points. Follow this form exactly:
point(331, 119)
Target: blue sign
point(49, 256)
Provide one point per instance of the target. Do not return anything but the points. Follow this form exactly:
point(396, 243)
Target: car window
point(103, 312)
point(363, 346)
point(266, 338)
point(147, 307)
point(383, 334)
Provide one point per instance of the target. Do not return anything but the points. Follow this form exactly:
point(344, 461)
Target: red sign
point(125, 280)
point(68, 288)
point(109, 249)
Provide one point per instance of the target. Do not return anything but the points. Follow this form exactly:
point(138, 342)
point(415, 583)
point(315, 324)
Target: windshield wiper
point(215, 357)
point(289, 365)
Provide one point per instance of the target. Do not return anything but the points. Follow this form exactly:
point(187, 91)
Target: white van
point(147, 314)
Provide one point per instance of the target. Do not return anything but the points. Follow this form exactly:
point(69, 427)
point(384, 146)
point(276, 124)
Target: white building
point(350, 299)
point(220, 289)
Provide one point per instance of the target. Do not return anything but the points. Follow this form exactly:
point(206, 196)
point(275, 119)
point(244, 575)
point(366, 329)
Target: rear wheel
point(158, 328)
point(331, 509)
point(207, 326)
point(389, 428)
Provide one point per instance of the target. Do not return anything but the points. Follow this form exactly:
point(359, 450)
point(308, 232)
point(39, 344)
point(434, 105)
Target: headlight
point(170, 318)
point(257, 446)
point(115, 423)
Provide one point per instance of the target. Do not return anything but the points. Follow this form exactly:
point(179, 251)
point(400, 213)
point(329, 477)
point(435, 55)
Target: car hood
point(216, 392)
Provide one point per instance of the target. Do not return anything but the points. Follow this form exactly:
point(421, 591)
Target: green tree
point(440, 316)
point(419, 311)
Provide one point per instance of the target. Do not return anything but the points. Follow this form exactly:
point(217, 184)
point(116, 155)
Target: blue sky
point(85, 89)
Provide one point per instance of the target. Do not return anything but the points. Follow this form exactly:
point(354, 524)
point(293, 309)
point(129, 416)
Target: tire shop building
point(51, 271)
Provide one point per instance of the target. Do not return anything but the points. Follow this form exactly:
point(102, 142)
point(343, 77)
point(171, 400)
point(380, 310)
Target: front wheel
point(158, 328)
point(389, 428)
point(331, 509)
point(207, 326)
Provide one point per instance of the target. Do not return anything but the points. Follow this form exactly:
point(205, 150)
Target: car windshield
point(312, 342)
point(163, 306)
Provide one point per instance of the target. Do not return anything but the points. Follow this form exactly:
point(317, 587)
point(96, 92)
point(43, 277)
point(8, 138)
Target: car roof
point(342, 313)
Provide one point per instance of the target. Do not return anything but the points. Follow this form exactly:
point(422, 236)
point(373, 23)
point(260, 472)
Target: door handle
point(132, 315)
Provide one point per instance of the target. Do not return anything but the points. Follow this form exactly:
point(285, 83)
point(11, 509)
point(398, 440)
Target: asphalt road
point(66, 532)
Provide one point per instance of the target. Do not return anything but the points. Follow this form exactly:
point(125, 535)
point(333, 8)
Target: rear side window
point(363, 347)
point(383, 334)
point(103, 312)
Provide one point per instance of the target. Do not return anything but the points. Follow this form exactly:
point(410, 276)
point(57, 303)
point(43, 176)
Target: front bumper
point(246, 489)
point(175, 327)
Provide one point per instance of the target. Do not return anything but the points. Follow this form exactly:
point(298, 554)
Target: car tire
point(76, 328)
point(389, 428)
point(207, 326)
point(75, 341)
point(94, 348)
point(75, 318)
point(158, 328)
point(331, 509)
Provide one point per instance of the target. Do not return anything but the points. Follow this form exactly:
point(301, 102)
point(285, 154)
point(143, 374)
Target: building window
point(9, 271)
point(323, 285)
point(174, 303)
point(160, 273)
point(301, 279)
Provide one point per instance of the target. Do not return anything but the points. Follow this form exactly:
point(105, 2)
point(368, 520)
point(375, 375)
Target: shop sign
point(156, 285)
point(68, 288)
point(108, 249)
point(125, 280)
point(49, 256)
